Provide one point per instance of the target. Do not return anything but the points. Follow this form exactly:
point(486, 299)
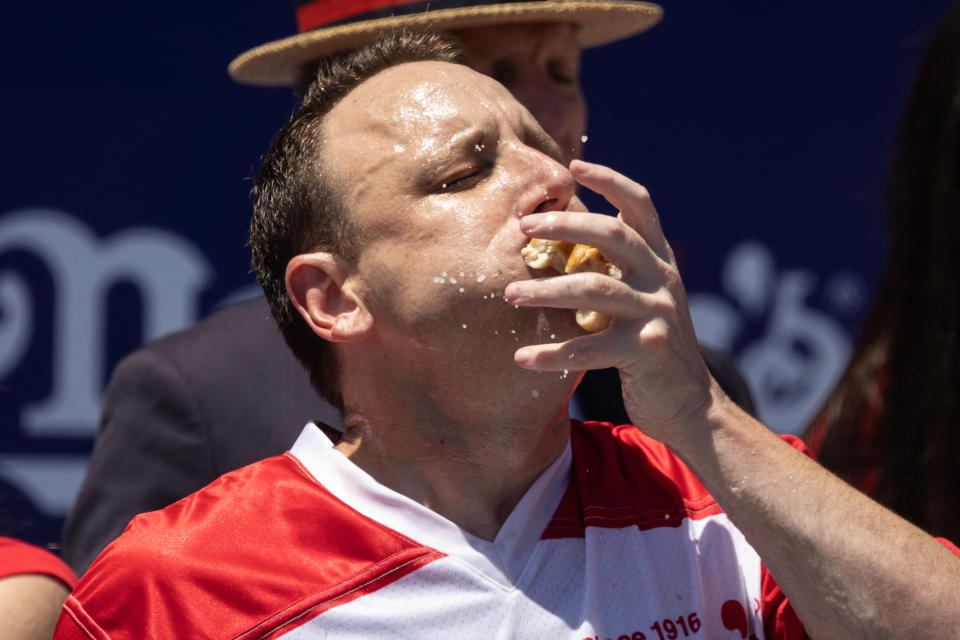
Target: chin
point(537, 326)
point(557, 325)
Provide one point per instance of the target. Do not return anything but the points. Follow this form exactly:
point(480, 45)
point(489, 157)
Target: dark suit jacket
point(187, 408)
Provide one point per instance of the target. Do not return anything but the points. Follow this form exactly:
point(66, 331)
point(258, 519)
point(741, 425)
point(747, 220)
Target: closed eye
point(466, 178)
point(562, 72)
point(504, 72)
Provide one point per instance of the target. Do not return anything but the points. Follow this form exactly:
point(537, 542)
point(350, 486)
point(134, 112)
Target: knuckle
point(665, 304)
point(595, 284)
point(641, 193)
point(655, 336)
point(671, 277)
point(618, 232)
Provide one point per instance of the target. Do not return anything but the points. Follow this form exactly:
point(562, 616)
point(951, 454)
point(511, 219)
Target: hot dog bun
point(565, 257)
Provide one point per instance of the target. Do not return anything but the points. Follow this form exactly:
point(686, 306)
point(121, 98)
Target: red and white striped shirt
point(616, 540)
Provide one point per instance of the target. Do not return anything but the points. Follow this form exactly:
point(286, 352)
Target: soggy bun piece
point(565, 257)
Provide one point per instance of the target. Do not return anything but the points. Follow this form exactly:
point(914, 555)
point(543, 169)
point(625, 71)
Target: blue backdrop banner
point(762, 131)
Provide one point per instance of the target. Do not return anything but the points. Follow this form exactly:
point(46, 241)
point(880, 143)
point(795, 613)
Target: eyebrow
point(536, 138)
point(460, 143)
point(468, 140)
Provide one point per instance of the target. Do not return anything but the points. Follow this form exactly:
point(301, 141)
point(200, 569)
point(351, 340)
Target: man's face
point(436, 164)
point(540, 65)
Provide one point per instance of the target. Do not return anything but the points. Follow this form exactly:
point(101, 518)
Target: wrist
point(696, 433)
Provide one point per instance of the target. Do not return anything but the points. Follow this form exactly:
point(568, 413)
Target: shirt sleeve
point(780, 621)
point(70, 626)
point(19, 558)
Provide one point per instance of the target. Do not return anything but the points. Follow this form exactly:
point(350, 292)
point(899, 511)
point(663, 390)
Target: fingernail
point(514, 296)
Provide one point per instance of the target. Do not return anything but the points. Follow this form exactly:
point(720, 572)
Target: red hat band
point(314, 14)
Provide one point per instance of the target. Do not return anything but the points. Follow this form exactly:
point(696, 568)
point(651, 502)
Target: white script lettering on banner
point(790, 352)
point(168, 272)
point(799, 352)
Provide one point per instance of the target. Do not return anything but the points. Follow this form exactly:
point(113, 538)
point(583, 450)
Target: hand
point(650, 340)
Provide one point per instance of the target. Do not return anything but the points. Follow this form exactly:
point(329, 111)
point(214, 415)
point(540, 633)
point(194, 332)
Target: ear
point(317, 285)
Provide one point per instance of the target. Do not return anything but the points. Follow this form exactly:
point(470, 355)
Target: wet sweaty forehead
point(420, 109)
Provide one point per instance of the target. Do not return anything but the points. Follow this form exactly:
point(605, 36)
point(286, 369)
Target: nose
point(549, 185)
point(560, 110)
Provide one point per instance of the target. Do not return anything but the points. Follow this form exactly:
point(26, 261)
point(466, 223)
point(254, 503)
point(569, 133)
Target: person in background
point(189, 407)
point(892, 425)
point(33, 585)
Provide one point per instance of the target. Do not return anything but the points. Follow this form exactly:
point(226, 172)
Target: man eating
point(182, 410)
point(389, 219)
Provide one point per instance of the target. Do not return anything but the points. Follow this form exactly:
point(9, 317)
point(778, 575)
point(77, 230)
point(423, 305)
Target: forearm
point(851, 568)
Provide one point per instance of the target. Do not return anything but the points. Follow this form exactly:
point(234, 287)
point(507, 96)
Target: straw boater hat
point(332, 26)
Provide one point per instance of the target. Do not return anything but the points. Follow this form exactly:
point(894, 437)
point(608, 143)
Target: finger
point(619, 243)
point(593, 291)
point(595, 351)
point(632, 199)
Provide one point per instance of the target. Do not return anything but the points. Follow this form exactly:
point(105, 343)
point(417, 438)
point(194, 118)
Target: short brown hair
point(295, 207)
